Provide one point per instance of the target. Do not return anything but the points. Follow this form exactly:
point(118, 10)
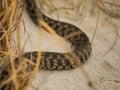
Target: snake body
point(80, 43)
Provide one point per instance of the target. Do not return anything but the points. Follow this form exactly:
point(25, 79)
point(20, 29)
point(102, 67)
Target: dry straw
point(10, 17)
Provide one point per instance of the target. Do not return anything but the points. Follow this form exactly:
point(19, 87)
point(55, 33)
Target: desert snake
point(80, 43)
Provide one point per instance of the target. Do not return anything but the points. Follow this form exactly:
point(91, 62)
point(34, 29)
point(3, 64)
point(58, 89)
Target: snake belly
point(80, 43)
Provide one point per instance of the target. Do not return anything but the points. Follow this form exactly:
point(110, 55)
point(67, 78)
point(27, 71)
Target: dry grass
point(10, 18)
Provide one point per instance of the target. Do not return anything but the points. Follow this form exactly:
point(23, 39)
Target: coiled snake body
point(81, 48)
point(80, 43)
point(59, 61)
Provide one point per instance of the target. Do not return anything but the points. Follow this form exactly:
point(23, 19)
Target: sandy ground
point(101, 72)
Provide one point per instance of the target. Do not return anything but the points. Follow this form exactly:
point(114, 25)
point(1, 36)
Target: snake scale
point(80, 43)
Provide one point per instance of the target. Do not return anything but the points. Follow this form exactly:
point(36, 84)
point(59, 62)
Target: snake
point(80, 43)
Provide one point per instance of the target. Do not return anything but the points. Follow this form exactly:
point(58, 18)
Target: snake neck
point(33, 11)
